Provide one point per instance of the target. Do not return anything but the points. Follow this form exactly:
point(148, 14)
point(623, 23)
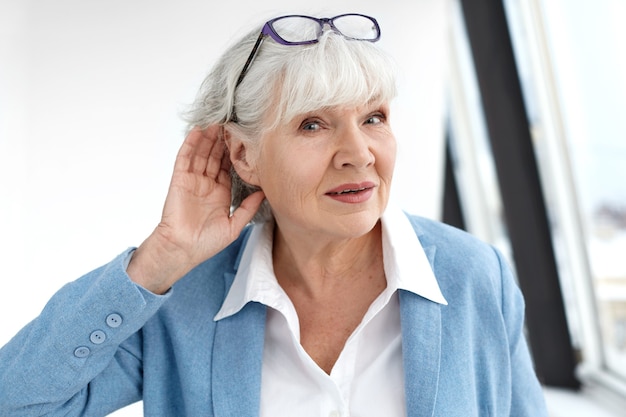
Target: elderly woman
point(330, 304)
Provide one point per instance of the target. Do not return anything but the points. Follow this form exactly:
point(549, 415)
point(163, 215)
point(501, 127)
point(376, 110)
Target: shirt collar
point(406, 267)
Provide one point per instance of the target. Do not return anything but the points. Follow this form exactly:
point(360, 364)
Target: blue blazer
point(102, 342)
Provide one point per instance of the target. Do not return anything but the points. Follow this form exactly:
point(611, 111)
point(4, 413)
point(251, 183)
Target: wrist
point(157, 264)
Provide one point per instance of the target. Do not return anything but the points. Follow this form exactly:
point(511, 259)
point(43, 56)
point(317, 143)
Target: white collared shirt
point(368, 377)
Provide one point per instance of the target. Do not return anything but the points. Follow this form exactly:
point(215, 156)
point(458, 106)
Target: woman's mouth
point(352, 193)
point(349, 191)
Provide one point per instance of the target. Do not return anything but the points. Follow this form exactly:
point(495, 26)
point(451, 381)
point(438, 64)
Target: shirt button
point(82, 352)
point(97, 337)
point(114, 320)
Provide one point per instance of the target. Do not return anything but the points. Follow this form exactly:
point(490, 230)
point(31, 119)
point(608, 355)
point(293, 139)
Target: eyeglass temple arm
point(255, 48)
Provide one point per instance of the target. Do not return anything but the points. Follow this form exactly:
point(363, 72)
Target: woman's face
point(328, 172)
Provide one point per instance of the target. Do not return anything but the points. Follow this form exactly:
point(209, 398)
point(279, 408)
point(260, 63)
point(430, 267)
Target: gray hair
point(283, 82)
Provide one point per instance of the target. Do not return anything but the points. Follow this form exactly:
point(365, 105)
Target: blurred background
point(509, 122)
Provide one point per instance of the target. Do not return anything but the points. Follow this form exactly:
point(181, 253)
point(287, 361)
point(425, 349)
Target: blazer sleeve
point(83, 354)
point(527, 398)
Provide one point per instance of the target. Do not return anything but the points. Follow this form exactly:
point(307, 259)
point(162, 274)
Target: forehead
point(275, 119)
point(288, 104)
point(344, 109)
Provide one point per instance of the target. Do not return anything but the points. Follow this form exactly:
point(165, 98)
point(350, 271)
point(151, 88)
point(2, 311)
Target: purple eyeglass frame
point(268, 30)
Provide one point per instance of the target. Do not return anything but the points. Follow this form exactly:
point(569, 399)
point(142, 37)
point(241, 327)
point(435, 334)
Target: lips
point(352, 193)
point(351, 188)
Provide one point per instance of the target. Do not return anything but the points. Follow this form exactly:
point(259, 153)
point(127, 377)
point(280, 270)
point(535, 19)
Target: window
point(575, 87)
point(572, 68)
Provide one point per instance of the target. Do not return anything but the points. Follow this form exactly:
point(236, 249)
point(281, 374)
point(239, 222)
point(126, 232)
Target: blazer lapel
point(237, 362)
point(421, 347)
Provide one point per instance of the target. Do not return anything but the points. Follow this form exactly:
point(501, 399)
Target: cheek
point(289, 179)
point(386, 159)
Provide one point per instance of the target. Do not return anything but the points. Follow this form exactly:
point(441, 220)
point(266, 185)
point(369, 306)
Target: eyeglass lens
point(297, 28)
point(356, 27)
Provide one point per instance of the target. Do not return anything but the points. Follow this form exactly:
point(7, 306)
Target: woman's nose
point(353, 149)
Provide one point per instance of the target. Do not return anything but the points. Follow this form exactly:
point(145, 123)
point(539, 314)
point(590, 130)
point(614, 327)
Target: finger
point(246, 211)
point(226, 162)
point(196, 148)
point(187, 151)
point(214, 162)
point(224, 175)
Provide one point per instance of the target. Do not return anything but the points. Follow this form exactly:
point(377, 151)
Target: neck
point(318, 268)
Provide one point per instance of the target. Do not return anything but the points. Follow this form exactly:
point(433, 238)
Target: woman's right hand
point(196, 222)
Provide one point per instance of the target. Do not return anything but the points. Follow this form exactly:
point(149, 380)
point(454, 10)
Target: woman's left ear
point(241, 157)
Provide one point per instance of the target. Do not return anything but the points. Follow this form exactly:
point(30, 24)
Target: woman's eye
point(310, 126)
point(374, 119)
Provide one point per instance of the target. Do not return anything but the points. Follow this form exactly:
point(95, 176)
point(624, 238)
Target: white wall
point(90, 93)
